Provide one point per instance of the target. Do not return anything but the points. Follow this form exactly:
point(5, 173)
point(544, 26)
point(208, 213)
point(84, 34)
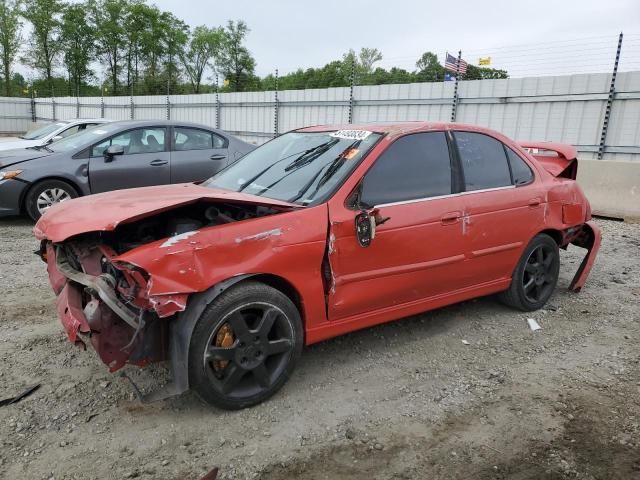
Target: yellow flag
point(484, 61)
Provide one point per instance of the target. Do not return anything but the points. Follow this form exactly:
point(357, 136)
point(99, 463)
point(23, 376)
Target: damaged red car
point(317, 233)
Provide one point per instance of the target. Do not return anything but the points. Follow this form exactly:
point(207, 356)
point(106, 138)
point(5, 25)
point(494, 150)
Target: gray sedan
point(116, 155)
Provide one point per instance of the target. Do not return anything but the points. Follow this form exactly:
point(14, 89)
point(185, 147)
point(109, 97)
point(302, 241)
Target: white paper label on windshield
point(351, 134)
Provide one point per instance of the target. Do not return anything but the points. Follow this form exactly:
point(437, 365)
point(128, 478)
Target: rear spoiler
point(559, 159)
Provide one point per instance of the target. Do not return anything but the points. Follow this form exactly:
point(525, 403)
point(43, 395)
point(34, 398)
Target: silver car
point(48, 133)
point(116, 155)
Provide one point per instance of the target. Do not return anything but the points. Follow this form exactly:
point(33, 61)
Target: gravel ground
point(404, 400)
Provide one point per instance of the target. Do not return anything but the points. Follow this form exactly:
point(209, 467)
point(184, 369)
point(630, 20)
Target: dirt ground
point(407, 400)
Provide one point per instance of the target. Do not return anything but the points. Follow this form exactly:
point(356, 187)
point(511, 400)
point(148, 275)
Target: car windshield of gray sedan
point(297, 167)
point(82, 139)
point(41, 132)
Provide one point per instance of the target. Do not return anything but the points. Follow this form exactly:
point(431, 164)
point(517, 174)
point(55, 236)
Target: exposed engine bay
point(181, 220)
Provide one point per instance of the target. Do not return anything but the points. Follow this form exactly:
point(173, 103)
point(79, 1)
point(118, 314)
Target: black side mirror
point(112, 151)
point(365, 228)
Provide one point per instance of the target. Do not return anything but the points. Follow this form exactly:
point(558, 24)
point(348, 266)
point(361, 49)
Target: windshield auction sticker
point(351, 134)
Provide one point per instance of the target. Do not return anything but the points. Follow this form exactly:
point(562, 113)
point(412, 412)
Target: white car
point(51, 132)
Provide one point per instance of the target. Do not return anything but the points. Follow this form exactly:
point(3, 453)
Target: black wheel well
point(555, 234)
point(46, 179)
point(283, 286)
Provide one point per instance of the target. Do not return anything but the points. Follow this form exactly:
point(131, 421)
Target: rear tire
point(46, 194)
point(535, 276)
point(245, 346)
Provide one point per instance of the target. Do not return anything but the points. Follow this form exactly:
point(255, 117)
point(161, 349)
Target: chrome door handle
point(158, 162)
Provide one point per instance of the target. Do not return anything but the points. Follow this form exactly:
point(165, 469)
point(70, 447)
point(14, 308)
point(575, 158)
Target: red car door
point(418, 250)
point(503, 205)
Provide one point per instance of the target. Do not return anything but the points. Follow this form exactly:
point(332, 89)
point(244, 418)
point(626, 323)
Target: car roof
point(395, 129)
point(82, 120)
point(141, 123)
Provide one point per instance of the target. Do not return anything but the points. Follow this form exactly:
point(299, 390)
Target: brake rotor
point(224, 338)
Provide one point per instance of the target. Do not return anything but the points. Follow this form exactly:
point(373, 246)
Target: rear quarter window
point(520, 171)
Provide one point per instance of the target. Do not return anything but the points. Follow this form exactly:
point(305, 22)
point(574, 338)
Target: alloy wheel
point(249, 350)
point(50, 197)
point(539, 276)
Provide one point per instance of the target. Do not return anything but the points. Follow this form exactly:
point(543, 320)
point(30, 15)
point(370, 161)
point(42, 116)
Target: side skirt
point(369, 319)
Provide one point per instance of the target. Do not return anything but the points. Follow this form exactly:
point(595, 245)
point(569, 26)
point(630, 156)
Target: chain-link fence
point(596, 109)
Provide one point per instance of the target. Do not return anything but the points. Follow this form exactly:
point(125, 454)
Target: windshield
point(297, 167)
point(41, 132)
point(82, 138)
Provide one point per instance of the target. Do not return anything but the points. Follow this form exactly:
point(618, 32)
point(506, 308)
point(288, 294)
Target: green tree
point(137, 22)
point(78, 44)
point(235, 61)
point(45, 43)
point(205, 45)
point(10, 39)
point(429, 68)
point(174, 40)
point(368, 57)
point(109, 18)
point(484, 73)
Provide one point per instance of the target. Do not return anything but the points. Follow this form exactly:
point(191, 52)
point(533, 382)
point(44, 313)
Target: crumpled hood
point(12, 157)
point(105, 211)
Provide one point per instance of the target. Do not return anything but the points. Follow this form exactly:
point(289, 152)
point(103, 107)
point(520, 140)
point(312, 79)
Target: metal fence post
point(77, 107)
point(33, 106)
point(351, 81)
point(168, 92)
point(53, 108)
point(276, 107)
point(454, 105)
point(612, 91)
point(133, 107)
point(217, 104)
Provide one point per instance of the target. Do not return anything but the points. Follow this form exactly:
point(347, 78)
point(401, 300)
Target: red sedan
point(319, 232)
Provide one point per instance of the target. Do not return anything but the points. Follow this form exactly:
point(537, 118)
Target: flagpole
point(454, 106)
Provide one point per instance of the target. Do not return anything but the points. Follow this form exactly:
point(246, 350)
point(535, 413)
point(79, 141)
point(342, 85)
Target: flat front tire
point(535, 276)
point(245, 346)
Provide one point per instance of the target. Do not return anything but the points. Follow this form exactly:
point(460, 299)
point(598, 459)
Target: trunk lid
point(559, 159)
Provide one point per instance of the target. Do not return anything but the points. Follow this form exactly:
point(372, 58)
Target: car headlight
point(9, 174)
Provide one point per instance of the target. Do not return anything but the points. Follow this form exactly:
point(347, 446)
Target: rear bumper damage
point(588, 237)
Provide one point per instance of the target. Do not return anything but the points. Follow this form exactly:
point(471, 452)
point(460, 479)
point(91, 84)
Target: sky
point(559, 35)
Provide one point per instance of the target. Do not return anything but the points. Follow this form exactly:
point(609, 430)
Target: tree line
point(144, 50)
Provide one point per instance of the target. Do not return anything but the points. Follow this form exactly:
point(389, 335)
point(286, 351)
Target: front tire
point(245, 346)
point(535, 276)
point(45, 194)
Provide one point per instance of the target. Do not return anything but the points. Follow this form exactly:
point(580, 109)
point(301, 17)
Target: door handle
point(450, 218)
point(158, 162)
point(534, 202)
point(217, 156)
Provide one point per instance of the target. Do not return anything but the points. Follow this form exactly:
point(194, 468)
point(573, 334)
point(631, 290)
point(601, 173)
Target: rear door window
point(483, 160)
point(413, 167)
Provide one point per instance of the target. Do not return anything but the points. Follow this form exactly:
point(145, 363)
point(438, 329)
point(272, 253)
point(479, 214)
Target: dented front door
point(418, 248)
point(418, 253)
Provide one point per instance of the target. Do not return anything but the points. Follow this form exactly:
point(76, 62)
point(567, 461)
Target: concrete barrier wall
point(613, 187)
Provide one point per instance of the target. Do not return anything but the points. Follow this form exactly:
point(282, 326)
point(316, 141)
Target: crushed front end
point(104, 302)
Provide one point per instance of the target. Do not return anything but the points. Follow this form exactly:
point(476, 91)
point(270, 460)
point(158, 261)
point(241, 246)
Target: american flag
point(451, 63)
